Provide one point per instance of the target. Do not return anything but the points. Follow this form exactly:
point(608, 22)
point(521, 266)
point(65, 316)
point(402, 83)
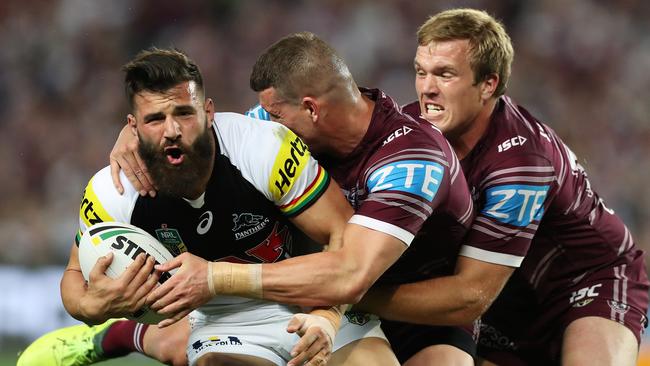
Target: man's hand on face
point(125, 156)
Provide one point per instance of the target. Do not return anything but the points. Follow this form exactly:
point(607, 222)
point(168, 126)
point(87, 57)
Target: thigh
point(360, 341)
point(441, 354)
point(225, 359)
point(598, 341)
point(168, 344)
point(615, 296)
point(366, 351)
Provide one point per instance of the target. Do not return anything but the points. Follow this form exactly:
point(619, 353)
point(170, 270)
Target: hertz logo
point(290, 161)
point(91, 210)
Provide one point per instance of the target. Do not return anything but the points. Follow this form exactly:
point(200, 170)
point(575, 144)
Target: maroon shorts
point(520, 329)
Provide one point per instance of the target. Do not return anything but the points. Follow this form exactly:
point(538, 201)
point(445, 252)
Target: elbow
point(354, 292)
point(353, 286)
point(476, 303)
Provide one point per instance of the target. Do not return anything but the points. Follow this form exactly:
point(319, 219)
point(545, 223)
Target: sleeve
point(513, 199)
point(102, 203)
point(258, 112)
point(275, 160)
point(296, 179)
point(404, 186)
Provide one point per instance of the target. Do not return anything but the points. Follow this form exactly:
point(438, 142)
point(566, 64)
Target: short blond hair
point(490, 46)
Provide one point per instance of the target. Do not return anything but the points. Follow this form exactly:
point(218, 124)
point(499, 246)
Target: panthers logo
point(357, 318)
point(245, 219)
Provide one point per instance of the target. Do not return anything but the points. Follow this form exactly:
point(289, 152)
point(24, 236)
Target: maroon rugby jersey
point(534, 200)
point(405, 180)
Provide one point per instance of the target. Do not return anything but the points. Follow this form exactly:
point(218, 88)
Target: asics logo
point(205, 223)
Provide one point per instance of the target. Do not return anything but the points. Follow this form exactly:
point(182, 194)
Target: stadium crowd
point(580, 66)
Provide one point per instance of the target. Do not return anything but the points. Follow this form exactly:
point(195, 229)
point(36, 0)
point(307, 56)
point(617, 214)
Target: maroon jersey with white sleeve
point(404, 179)
point(536, 210)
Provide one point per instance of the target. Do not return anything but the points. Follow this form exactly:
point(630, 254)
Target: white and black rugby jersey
point(263, 174)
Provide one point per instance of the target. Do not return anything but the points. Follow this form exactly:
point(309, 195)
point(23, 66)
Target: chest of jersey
point(236, 223)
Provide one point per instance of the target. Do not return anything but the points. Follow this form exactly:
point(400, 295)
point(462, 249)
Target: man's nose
point(430, 85)
point(172, 129)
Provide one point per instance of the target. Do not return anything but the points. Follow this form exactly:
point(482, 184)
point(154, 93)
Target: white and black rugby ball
point(126, 242)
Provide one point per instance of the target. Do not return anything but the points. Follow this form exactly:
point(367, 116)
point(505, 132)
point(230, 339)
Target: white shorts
point(259, 329)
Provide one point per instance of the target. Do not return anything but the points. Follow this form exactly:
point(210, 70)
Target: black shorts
point(408, 339)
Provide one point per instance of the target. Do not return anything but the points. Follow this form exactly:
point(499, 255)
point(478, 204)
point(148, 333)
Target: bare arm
point(448, 300)
point(340, 276)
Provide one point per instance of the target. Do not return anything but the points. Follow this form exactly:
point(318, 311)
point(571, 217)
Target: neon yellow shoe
point(72, 346)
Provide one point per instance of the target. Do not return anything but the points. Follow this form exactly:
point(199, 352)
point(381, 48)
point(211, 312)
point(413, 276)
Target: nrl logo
point(618, 307)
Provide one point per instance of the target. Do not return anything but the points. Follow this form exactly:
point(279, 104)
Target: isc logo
point(583, 293)
point(515, 141)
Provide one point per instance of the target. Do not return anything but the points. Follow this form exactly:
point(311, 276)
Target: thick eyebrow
point(181, 109)
point(153, 116)
point(184, 109)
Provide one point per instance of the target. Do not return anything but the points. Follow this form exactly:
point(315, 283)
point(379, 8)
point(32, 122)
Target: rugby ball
point(126, 242)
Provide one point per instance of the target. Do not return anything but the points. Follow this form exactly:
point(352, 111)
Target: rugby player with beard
point(210, 166)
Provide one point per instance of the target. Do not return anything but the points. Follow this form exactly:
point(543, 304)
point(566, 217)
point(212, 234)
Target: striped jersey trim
point(491, 257)
point(383, 227)
point(315, 189)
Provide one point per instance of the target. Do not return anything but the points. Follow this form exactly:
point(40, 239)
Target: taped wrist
point(333, 315)
point(235, 279)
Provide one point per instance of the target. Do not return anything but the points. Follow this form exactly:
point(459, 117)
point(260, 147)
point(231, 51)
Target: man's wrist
point(90, 313)
point(333, 314)
point(226, 278)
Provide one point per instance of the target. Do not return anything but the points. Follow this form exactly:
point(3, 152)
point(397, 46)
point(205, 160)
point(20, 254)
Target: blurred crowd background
point(582, 66)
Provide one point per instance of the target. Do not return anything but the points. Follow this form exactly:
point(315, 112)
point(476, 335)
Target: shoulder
point(102, 202)
point(268, 155)
point(517, 137)
point(412, 109)
point(234, 129)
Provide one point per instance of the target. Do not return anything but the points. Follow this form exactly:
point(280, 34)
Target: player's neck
point(465, 142)
point(353, 123)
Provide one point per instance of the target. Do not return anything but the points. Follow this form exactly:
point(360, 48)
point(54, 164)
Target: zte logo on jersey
point(512, 142)
point(290, 161)
point(584, 296)
point(515, 204)
point(418, 177)
point(402, 131)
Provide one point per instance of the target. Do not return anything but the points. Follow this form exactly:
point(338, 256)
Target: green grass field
point(8, 357)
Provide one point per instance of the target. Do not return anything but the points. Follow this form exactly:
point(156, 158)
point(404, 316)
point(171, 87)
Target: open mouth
point(432, 110)
point(174, 155)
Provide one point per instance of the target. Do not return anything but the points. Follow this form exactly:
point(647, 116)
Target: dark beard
point(179, 181)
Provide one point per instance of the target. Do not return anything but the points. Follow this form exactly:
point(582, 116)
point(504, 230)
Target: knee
point(440, 355)
point(172, 351)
